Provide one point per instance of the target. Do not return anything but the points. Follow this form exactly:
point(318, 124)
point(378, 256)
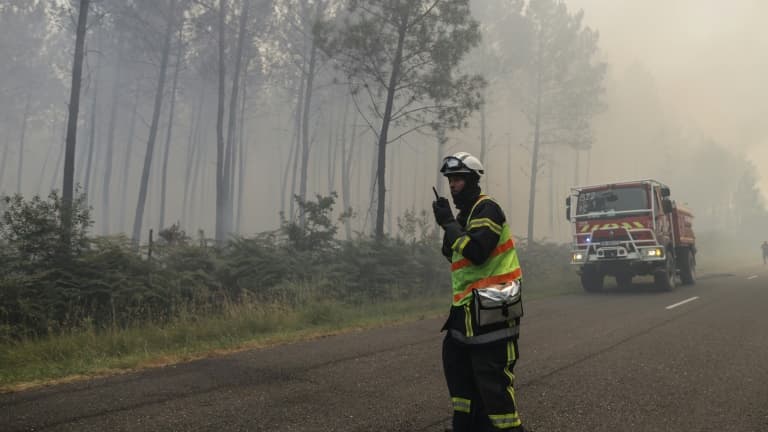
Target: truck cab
point(630, 229)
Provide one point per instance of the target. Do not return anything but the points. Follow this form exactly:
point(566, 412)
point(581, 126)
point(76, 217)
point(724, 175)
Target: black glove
point(442, 209)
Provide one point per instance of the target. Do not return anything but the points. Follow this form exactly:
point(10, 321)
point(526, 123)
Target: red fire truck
point(629, 229)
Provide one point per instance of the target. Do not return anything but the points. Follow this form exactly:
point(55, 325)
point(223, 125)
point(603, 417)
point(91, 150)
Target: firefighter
point(478, 361)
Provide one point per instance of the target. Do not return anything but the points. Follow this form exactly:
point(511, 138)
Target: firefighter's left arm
point(481, 235)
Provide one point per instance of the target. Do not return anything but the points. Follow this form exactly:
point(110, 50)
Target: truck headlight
point(577, 256)
point(656, 252)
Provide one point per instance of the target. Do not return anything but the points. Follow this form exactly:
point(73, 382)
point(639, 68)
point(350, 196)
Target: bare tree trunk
point(389, 196)
point(232, 126)
point(164, 174)
point(382, 145)
point(3, 159)
point(296, 148)
point(510, 198)
point(346, 164)
point(59, 159)
point(243, 151)
point(137, 222)
point(115, 98)
point(21, 145)
point(92, 128)
point(551, 194)
point(192, 146)
point(221, 180)
point(305, 140)
point(48, 154)
point(74, 107)
point(442, 140)
point(197, 178)
point(373, 206)
point(127, 158)
point(589, 164)
point(483, 134)
point(331, 153)
point(534, 162)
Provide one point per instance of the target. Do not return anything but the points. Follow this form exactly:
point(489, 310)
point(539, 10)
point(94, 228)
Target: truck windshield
point(612, 200)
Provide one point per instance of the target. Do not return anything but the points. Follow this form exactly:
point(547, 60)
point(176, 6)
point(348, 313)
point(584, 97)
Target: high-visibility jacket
point(502, 265)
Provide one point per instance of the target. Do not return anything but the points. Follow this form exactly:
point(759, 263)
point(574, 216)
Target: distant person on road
point(765, 252)
point(480, 346)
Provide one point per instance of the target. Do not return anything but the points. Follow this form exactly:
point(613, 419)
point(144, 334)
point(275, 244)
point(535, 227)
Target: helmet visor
point(452, 164)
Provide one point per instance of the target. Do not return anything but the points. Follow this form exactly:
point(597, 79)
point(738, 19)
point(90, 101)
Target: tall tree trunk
point(388, 212)
point(382, 145)
point(115, 98)
point(74, 107)
point(92, 128)
point(442, 140)
point(59, 159)
point(197, 178)
point(21, 145)
point(57, 171)
point(3, 159)
point(296, 146)
point(48, 154)
point(510, 162)
point(346, 164)
point(137, 222)
point(168, 136)
point(229, 174)
point(127, 158)
point(243, 151)
point(332, 153)
point(221, 180)
point(551, 192)
point(589, 164)
point(192, 146)
point(534, 161)
point(483, 134)
point(305, 139)
point(373, 206)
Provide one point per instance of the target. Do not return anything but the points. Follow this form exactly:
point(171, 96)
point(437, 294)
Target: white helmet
point(462, 163)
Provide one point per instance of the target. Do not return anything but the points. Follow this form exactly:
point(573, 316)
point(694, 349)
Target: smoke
point(706, 59)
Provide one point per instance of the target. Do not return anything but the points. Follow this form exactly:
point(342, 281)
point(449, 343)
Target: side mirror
point(666, 204)
point(568, 208)
point(665, 191)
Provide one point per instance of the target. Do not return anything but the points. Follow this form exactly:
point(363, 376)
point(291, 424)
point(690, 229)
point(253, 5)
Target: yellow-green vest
point(502, 265)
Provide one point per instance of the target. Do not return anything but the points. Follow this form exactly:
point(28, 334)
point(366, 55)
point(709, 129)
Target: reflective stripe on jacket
point(501, 266)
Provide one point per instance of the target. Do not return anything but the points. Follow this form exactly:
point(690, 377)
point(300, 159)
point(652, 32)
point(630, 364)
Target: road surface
point(694, 359)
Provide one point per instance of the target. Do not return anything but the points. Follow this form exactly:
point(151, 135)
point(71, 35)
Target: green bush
point(102, 283)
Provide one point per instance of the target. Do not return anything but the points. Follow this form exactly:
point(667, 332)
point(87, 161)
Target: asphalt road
point(631, 360)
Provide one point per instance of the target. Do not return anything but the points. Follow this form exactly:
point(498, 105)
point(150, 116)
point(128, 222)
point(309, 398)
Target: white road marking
point(752, 277)
point(682, 302)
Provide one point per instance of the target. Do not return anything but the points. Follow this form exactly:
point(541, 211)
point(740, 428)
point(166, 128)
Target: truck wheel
point(664, 278)
point(591, 279)
point(687, 267)
point(624, 281)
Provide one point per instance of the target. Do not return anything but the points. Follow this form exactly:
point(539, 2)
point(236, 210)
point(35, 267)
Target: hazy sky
point(709, 59)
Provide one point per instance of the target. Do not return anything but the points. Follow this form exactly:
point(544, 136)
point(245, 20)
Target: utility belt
point(492, 307)
point(498, 303)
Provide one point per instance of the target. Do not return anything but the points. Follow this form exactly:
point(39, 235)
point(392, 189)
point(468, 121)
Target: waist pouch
point(497, 304)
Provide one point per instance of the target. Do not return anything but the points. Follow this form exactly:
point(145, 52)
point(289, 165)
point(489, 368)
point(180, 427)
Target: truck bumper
point(617, 259)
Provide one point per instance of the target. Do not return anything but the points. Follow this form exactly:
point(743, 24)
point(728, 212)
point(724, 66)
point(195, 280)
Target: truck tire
point(687, 261)
point(591, 279)
point(664, 277)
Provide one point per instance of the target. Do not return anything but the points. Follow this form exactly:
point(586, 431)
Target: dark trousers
point(481, 383)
